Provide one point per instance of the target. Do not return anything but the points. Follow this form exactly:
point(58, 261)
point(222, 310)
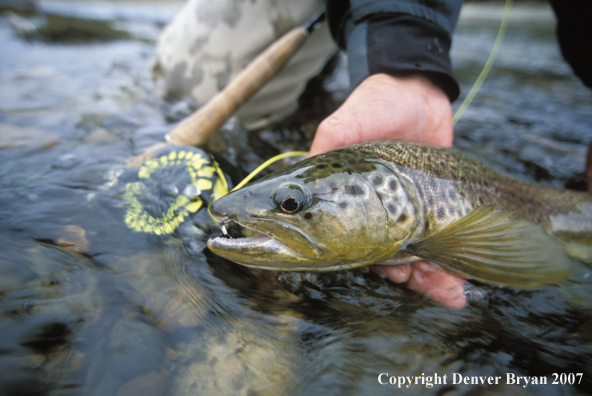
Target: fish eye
point(289, 198)
point(290, 205)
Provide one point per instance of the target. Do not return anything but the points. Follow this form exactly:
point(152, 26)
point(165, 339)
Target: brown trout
point(393, 202)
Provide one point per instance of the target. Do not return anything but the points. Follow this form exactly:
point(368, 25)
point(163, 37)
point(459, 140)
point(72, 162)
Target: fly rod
point(196, 129)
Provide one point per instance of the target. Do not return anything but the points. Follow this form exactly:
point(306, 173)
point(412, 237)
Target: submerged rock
point(12, 136)
point(65, 29)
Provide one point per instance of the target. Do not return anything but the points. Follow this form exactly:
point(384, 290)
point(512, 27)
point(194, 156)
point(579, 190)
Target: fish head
point(334, 211)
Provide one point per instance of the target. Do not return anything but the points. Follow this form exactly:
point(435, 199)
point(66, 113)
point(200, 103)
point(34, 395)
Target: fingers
point(336, 131)
point(435, 283)
point(396, 273)
point(428, 279)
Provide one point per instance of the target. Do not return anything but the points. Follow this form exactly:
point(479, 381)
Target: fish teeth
point(224, 221)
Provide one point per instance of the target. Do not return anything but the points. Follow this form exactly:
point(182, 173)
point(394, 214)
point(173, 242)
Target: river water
point(90, 306)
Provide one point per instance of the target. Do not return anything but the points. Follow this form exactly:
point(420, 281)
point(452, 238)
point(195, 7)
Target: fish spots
point(403, 217)
point(441, 212)
point(391, 193)
point(452, 195)
point(354, 190)
point(334, 162)
point(343, 205)
point(308, 216)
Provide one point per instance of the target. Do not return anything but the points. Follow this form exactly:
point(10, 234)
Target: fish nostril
point(247, 194)
point(216, 212)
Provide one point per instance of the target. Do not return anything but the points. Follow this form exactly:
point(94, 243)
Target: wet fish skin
point(373, 202)
point(450, 185)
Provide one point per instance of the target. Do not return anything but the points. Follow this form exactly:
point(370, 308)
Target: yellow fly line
point(488, 65)
point(269, 162)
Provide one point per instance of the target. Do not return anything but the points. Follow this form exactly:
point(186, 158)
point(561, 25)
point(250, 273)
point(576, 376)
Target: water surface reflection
point(88, 306)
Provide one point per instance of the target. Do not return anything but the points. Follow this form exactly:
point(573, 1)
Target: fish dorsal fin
point(491, 246)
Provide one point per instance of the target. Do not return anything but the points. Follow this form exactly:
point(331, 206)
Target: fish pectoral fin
point(491, 246)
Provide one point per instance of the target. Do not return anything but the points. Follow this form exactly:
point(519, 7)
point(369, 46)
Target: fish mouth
point(262, 244)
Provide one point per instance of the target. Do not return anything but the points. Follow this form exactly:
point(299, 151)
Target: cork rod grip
point(196, 129)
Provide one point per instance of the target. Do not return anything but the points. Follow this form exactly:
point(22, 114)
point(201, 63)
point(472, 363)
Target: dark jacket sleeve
point(396, 37)
point(574, 33)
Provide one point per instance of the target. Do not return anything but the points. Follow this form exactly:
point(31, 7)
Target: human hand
point(398, 108)
point(384, 107)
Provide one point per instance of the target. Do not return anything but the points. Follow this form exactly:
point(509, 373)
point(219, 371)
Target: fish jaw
point(268, 252)
point(255, 251)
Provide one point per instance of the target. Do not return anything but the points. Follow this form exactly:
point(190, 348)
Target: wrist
point(420, 47)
